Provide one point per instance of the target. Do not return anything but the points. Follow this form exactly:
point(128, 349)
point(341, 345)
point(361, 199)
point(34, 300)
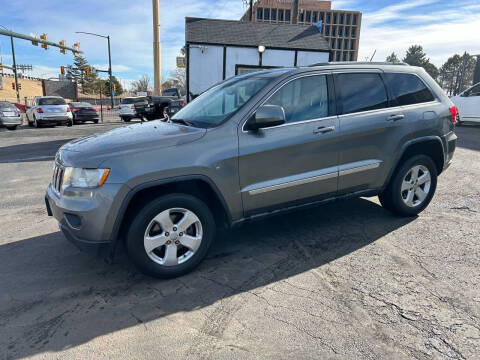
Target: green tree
point(457, 73)
point(393, 58)
point(476, 73)
point(118, 86)
point(76, 70)
point(415, 56)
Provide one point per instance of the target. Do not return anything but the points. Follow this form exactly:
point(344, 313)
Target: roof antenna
point(373, 55)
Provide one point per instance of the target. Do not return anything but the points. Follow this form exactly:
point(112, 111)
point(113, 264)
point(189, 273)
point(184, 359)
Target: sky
point(442, 27)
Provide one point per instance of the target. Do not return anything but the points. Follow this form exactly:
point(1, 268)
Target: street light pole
point(109, 60)
point(14, 67)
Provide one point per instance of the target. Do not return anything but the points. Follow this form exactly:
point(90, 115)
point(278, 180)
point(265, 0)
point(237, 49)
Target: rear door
point(369, 130)
point(470, 104)
point(295, 162)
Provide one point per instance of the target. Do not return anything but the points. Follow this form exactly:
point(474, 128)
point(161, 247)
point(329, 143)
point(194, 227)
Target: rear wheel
point(412, 187)
point(126, 119)
point(36, 123)
point(171, 235)
point(12, 127)
point(95, 121)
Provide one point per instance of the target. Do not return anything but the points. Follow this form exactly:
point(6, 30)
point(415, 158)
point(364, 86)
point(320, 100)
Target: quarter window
point(361, 92)
point(408, 89)
point(302, 99)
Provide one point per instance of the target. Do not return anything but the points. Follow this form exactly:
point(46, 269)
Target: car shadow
point(468, 137)
point(54, 297)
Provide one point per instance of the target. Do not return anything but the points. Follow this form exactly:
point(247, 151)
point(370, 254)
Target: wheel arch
point(431, 146)
point(199, 186)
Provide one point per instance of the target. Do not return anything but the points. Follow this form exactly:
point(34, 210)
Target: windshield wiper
point(181, 121)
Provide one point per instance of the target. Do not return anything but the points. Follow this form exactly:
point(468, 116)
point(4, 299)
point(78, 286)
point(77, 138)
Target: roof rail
point(358, 63)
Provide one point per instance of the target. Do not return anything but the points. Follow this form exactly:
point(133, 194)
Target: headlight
point(84, 178)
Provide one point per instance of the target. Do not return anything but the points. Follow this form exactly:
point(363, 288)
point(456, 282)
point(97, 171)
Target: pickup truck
point(155, 107)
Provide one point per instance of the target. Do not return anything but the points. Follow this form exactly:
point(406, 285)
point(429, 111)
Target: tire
point(155, 262)
point(126, 119)
point(69, 123)
point(95, 121)
point(406, 201)
point(35, 122)
point(12, 127)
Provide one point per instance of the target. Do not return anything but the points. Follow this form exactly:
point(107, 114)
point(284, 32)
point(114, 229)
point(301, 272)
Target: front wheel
point(412, 187)
point(12, 127)
point(170, 236)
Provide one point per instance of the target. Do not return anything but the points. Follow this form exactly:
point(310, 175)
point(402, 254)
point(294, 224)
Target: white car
point(126, 109)
point(49, 110)
point(468, 104)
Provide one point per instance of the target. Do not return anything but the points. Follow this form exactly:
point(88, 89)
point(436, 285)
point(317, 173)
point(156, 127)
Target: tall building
point(341, 28)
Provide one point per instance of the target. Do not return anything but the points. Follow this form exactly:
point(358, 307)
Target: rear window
point(80, 104)
point(51, 101)
point(170, 92)
point(6, 105)
point(361, 92)
point(133, 100)
point(408, 89)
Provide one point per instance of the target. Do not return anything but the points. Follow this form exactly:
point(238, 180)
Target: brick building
point(341, 28)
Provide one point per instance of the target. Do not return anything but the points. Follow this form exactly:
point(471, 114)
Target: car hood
point(147, 136)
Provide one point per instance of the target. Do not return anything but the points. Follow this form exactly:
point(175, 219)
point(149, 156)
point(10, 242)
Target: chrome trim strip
point(359, 169)
point(293, 183)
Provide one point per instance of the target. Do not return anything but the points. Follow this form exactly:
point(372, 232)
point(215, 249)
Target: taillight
point(454, 112)
point(132, 107)
point(68, 109)
point(94, 109)
point(182, 102)
point(76, 109)
point(39, 110)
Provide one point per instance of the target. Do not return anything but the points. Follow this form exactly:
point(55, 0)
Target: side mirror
point(266, 116)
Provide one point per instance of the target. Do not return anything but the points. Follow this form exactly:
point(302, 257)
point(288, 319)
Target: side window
point(408, 89)
point(474, 91)
point(361, 92)
point(302, 99)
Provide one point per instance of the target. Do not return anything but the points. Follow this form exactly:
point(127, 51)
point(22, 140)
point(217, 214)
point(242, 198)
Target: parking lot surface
point(345, 280)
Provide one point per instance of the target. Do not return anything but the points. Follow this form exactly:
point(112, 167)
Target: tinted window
point(133, 100)
point(170, 92)
point(408, 89)
point(303, 99)
point(474, 91)
point(361, 92)
point(51, 101)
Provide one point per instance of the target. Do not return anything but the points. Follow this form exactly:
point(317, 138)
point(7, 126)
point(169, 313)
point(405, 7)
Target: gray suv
point(254, 145)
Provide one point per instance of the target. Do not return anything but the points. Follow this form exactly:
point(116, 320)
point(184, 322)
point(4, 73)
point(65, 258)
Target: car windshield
point(6, 105)
point(218, 104)
point(81, 104)
point(51, 101)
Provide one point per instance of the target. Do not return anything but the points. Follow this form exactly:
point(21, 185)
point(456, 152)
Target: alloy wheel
point(416, 186)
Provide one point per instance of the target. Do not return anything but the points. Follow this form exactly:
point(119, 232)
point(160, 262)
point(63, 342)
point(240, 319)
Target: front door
point(295, 162)
point(469, 104)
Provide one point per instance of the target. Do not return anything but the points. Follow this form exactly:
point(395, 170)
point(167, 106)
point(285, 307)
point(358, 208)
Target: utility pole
point(15, 69)
point(250, 11)
point(110, 73)
point(157, 57)
point(295, 12)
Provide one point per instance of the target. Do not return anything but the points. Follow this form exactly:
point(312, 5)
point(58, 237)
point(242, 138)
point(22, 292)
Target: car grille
point(57, 179)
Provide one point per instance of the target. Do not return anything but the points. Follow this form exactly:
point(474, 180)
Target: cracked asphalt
point(345, 280)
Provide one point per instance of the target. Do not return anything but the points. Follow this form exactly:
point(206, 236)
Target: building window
point(287, 15)
point(348, 19)
point(339, 43)
point(334, 18)
point(347, 32)
point(338, 57)
point(352, 45)
point(314, 18)
point(345, 44)
point(329, 18)
point(345, 56)
point(327, 30)
point(354, 32)
point(266, 14)
point(354, 19)
point(341, 19)
point(332, 43)
point(322, 16)
point(274, 14)
point(301, 16)
point(280, 15)
point(334, 31)
point(259, 13)
point(340, 31)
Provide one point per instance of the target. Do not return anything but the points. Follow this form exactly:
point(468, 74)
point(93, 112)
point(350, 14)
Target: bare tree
point(143, 84)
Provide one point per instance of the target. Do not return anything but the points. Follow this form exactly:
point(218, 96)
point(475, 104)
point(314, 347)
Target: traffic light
point(87, 70)
point(13, 85)
point(1, 67)
point(62, 70)
point(114, 87)
point(19, 86)
point(62, 43)
point(44, 37)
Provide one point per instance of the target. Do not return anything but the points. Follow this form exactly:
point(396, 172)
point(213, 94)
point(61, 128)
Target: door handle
point(323, 129)
point(396, 117)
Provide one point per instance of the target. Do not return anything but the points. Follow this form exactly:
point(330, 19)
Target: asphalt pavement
point(344, 280)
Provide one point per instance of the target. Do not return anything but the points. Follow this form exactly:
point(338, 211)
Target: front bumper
point(85, 216)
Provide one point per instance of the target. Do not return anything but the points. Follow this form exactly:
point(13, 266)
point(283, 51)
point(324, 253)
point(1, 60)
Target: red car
point(21, 107)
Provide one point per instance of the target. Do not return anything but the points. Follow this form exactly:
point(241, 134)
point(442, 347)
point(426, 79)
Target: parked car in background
point(173, 107)
point(49, 110)
point(83, 111)
point(174, 101)
point(468, 104)
point(126, 109)
point(10, 116)
point(253, 146)
point(21, 107)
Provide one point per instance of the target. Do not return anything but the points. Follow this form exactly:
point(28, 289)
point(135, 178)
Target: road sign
point(180, 61)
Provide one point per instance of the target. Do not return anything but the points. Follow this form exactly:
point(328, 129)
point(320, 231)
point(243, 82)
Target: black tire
point(126, 119)
point(95, 121)
point(36, 123)
point(69, 123)
point(135, 235)
point(391, 197)
point(12, 127)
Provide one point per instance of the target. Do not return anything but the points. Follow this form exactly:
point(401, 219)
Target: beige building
point(341, 28)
